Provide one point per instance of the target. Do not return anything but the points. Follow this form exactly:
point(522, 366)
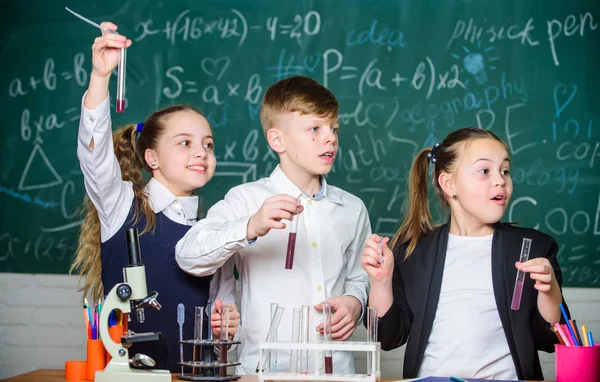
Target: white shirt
point(467, 338)
point(331, 234)
point(113, 197)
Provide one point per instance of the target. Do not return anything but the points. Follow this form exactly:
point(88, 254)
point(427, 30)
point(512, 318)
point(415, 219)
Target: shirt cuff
point(356, 294)
point(91, 118)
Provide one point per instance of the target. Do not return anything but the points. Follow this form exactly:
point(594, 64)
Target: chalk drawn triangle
point(41, 160)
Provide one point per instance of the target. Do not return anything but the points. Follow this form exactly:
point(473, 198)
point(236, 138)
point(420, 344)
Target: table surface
point(57, 375)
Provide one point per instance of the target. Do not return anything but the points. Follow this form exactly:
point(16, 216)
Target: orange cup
point(75, 370)
point(96, 358)
point(116, 332)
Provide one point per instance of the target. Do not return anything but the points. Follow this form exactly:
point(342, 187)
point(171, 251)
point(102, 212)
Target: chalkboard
point(405, 73)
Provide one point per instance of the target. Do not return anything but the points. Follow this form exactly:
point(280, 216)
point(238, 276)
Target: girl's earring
point(454, 196)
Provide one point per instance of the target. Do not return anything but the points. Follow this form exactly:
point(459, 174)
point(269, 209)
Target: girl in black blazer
point(461, 275)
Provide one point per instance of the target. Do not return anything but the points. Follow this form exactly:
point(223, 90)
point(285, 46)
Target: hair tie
point(139, 127)
point(432, 156)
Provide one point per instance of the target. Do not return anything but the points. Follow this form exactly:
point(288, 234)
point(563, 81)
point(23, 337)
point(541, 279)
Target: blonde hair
point(418, 220)
point(129, 150)
point(297, 94)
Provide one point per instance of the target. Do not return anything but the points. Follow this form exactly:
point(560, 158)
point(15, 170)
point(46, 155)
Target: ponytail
point(87, 257)
point(418, 221)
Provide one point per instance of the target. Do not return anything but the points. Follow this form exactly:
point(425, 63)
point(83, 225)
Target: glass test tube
point(327, 337)
point(180, 321)
point(208, 312)
point(121, 81)
point(273, 353)
point(372, 321)
point(121, 75)
point(518, 291)
point(275, 320)
point(291, 248)
point(223, 336)
point(296, 339)
point(305, 327)
point(198, 323)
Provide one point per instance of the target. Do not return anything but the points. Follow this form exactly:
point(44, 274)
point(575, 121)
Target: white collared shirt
point(331, 234)
point(113, 197)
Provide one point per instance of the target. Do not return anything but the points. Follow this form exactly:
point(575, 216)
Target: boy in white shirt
point(300, 121)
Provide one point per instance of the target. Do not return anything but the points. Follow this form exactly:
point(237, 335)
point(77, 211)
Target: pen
point(590, 339)
point(456, 379)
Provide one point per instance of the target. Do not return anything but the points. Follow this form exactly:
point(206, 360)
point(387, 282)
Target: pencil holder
point(577, 363)
point(96, 359)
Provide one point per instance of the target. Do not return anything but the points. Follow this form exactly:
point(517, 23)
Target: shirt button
point(314, 244)
point(310, 202)
point(319, 288)
point(91, 119)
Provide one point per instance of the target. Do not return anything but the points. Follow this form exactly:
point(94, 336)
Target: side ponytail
point(87, 256)
point(418, 220)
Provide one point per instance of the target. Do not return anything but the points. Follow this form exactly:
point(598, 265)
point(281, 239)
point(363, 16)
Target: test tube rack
point(209, 370)
point(372, 349)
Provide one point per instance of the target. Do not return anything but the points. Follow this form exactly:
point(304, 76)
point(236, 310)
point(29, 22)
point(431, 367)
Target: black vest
point(163, 275)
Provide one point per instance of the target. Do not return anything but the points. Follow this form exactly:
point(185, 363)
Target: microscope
point(127, 296)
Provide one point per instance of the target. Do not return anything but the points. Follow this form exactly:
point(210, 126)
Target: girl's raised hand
point(107, 50)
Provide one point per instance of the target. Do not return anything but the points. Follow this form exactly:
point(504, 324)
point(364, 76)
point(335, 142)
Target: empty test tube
point(304, 327)
point(198, 323)
point(295, 338)
point(372, 321)
point(273, 328)
point(518, 291)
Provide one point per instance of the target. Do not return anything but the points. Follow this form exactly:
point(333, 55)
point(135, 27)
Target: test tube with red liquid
point(121, 81)
point(327, 337)
point(291, 248)
point(518, 291)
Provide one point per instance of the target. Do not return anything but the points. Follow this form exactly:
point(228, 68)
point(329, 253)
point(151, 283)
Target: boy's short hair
point(297, 94)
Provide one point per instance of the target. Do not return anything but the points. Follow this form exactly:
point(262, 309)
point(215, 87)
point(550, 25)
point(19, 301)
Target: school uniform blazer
point(416, 289)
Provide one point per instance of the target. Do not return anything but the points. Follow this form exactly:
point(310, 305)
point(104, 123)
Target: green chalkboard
point(405, 73)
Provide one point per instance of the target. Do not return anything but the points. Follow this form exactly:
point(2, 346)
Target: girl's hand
point(106, 50)
point(378, 271)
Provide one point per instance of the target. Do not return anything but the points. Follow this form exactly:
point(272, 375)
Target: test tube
point(208, 312)
point(273, 353)
point(305, 338)
point(273, 327)
point(518, 291)
point(198, 323)
point(180, 321)
point(372, 325)
point(291, 248)
point(380, 250)
point(296, 339)
point(121, 81)
point(224, 337)
point(121, 74)
point(327, 337)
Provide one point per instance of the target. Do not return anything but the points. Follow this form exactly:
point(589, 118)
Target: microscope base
point(132, 375)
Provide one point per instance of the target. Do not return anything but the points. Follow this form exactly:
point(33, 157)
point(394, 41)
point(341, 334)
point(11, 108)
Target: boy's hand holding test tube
point(271, 213)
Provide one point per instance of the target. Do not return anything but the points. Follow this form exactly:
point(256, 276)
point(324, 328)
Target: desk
point(59, 376)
